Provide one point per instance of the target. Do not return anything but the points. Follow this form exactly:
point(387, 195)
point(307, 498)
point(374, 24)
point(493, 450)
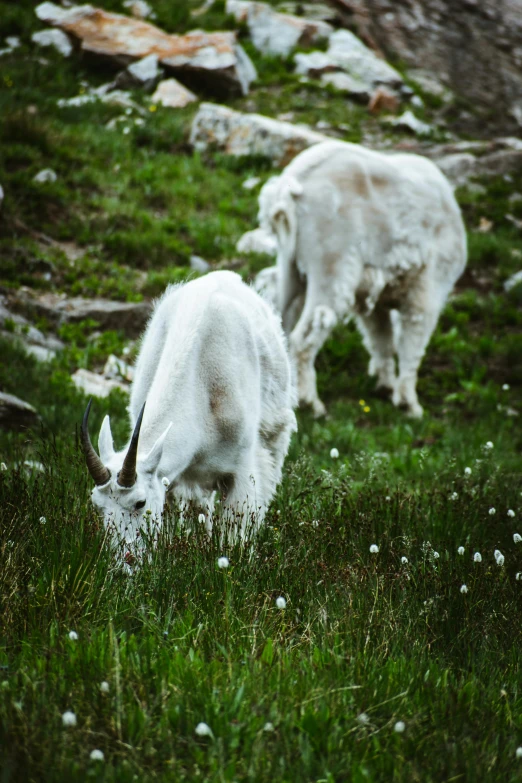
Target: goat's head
point(129, 491)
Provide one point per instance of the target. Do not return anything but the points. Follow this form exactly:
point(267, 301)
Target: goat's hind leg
point(377, 332)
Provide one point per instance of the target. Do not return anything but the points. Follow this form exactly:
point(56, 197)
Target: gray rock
point(251, 183)
point(130, 317)
point(55, 38)
point(170, 93)
point(94, 385)
point(199, 264)
point(235, 133)
point(15, 327)
point(408, 121)
point(513, 281)
point(15, 414)
point(45, 175)
point(277, 33)
point(117, 369)
point(347, 84)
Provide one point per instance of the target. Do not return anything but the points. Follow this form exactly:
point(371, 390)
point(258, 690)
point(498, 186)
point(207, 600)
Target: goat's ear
point(151, 462)
point(105, 442)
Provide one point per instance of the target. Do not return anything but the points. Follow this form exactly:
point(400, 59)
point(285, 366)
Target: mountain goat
point(211, 408)
point(362, 233)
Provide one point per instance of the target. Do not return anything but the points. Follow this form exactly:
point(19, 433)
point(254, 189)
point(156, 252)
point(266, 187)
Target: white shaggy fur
point(214, 373)
point(362, 233)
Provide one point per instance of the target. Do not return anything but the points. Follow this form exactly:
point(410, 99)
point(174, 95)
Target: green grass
point(181, 642)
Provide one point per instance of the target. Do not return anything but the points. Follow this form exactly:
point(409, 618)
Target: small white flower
point(69, 718)
point(363, 719)
point(223, 562)
point(268, 726)
point(165, 481)
point(334, 453)
point(126, 130)
point(492, 511)
point(73, 636)
point(97, 755)
point(489, 445)
point(281, 602)
point(128, 111)
point(518, 576)
point(315, 523)
point(460, 550)
point(499, 557)
point(517, 538)
point(510, 513)
point(201, 519)
point(105, 687)
point(404, 560)
point(43, 520)
point(399, 726)
point(436, 555)
point(505, 387)
point(388, 499)
point(203, 730)
point(374, 549)
point(464, 589)
point(3, 466)
point(477, 557)
point(467, 471)
point(518, 753)
point(454, 496)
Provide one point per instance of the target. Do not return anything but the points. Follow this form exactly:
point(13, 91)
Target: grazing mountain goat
point(361, 233)
point(211, 408)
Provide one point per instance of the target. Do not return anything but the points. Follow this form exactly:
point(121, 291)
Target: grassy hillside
point(314, 691)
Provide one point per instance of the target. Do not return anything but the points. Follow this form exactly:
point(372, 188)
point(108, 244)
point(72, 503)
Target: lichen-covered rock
point(216, 57)
point(55, 38)
point(249, 134)
point(276, 33)
point(172, 94)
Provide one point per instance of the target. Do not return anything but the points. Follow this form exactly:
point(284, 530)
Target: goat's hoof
point(319, 410)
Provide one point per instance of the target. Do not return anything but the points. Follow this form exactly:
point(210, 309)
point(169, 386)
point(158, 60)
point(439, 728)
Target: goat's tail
point(282, 216)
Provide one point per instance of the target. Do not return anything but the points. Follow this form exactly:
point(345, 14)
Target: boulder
point(94, 385)
point(199, 264)
point(129, 317)
point(216, 59)
point(473, 49)
point(354, 88)
point(347, 53)
point(275, 33)
point(15, 414)
point(117, 369)
point(45, 175)
point(143, 73)
point(172, 94)
point(498, 158)
point(409, 122)
point(55, 38)
point(249, 134)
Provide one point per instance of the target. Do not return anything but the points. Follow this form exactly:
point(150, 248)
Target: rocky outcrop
point(214, 59)
point(15, 414)
point(129, 317)
point(472, 47)
point(276, 33)
point(94, 385)
point(235, 133)
point(15, 327)
point(172, 94)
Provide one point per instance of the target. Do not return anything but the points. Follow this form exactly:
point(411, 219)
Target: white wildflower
point(165, 481)
point(492, 511)
point(374, 549)
point(223, 562)
point(454, 496)
point(499, 557)
point(399, 726)
point(43, 521)
point(388, 499)
point(268, 726)
point(518, 753)
point(3, 466)
point(505, 387)
point(464, 589)
point(517, 538)
point(281, 602)
point(404, 560)
point(315, 523)
point(105, 687)
point(203, 730)
point(467, 471)
point(126, 130)
point(510, 513)
point(96, 755)
point(436, 555)
point(334, 453)
point(489, 445)
point(477, 557)
point(73, 636)
point(363, 719)
point(201, 519)
point(518, 576)
point(69, 718)
point(460, 550)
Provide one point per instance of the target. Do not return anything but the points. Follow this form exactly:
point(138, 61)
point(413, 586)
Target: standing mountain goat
point(362, 233)
point(211, 408)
